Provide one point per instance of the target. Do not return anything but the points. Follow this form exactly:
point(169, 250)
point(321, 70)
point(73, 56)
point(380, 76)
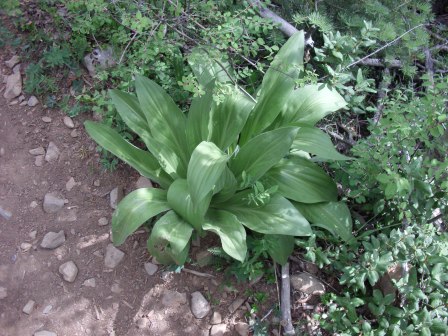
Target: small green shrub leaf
point(170, 239)
point(257, 156)
point(230, 230)
point(314, 141)
point(135, 209)
point(279, 216)
point(142, 161)
point(303, 181)
point(332, 216)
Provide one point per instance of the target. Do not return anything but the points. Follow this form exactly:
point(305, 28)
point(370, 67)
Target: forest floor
point(101, 300)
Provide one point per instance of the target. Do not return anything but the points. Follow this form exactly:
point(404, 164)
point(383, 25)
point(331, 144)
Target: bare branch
point(285, 304)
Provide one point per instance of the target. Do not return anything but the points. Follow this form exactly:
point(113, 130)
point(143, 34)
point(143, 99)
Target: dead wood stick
point(382, 90)
point(205, 275)
point(429, 65)
point(285, 304)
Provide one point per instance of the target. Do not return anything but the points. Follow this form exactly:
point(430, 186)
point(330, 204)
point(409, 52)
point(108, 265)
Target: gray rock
point(45, 333)
point(32, 101)
point(52, 153)
point(21, 98)
point(39, 161)
point(143, 182)
point(68, 122)
point(25, 247)
point(70, 184)
point(307, 284)
point(37, 151)
point(99, 58)
point(13, 61)
point(13, 84)
point(47, 309)
point(151, 268)
point(32, 234)
point(29, 307)
point(5, 213)
point(199, 305)
point(116, 288)
point(67, 215)
point(113, 256)
point(3, 293)
point(69, 271)
point(2, 151)
point(218, 330)
point(216, 318)
point(235, 305)
point(52, 203)
point(142, 323)
point(242, 328)
point(74, 134)
point(89, 283)
point(115, 197)
point(46, 119)
point(103, 221)
point(173, 299)
point(53, 240)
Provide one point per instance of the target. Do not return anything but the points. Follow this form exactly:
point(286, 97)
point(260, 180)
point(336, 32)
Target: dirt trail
point(125, 299)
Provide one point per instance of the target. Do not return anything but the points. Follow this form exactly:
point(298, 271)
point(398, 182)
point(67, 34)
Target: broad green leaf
point(226, 187)
point(179, 199)
point(207, 69)
point(279, 216)
point(170, 239)
point(207, 164)
point(166, 121)
point(228, 118)
point(142, 161)
point(257, 156)
point(314, 141)
point(309, 104)
point(279, 247)
point(301, 180)
point(230, 230)
point(198, 118)
point(135, 209)
point(277, 85)
point(332, 216)
point(129, 109)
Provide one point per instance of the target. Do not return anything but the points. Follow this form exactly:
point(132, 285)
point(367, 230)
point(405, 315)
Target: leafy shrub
point(233, 162)
point(416, 307)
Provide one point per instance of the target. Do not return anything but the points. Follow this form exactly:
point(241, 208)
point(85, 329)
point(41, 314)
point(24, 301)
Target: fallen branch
point(285, 303)
point(205, 275)
point(376, 62)
point(382, 90)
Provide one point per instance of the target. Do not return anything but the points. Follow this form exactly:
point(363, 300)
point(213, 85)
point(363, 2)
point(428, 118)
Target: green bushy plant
point(416, 305)
point(235, 162)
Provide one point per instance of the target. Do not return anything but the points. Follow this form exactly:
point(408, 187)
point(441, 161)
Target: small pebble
point(3, 293)
point(46, 119)
point(32, 234)
point(37, 151)
point(32, 101)
point(68, 122)
point(39, 161)
point(2, 151)
point(103, 221)
point(74, 134)
point(90, 283)
point(150, 268)
point(69, 271)
point(33, 204)
point(96, 183)
point(29, 307)
point(25, 247)
point(142, 323)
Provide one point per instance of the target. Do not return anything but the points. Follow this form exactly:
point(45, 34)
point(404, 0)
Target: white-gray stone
point(151, 268)
point(32, 234)
point(46, 119)
point(115, 197)
point(307, 284)
point(199, 305)
point(53, 240)
point(2, 151)
point(70, 184)
point(103, 221)
point(47, 309)
point(32, 101)
point(74, 134)
point(218, 330)
point(142, 322)
point(52, 203)
point(235, 305)
point(69, 271)
point(39, 161)
point(116, 288)
point(45, 333)
point(13, 84)
point(242, 328)
point(113, 256)
point(53, 152)
point(68, 122)
point(173, 299)
point(3, 293)
point(25, 247)
point(29, 307)
point(216, 318)
point(37, 151)
point(143, 182)
point(90, 283)
point(13, 61)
